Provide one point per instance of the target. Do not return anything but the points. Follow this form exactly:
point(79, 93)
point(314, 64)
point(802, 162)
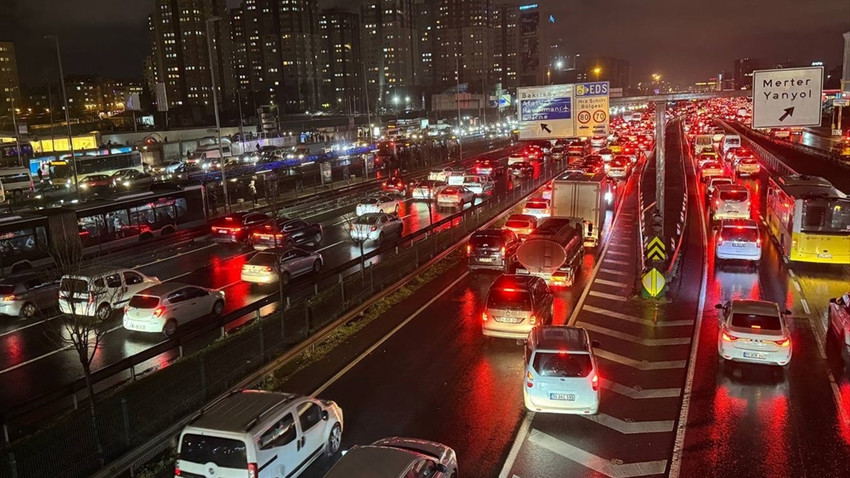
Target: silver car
point(376, 226)
point(397, 458)
point(164, 307)
point(28, 295)
point(293, 262)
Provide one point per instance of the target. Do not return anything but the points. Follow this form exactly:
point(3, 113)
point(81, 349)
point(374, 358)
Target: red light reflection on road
point(773, 417)
point(561, 311)
point(728, 411)
point(844, 414)
point(14, 349)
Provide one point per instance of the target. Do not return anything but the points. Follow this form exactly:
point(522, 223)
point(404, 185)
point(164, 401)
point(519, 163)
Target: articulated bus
point(61, 170)
point(26, 238)
point(809, 219)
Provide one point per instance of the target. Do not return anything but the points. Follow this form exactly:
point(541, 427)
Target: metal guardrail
point(771, 161)
point(676, 241)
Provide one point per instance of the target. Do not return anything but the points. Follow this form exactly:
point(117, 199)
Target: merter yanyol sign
point(787, 97)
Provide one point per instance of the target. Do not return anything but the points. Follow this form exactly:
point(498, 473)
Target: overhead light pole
point(217, 121)
point(67, 112)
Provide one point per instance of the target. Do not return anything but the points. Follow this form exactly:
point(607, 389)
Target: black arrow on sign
point(788, 112)
point(545, 127)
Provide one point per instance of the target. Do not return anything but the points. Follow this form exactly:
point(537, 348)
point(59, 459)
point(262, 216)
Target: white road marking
point(797, 286)
point(681, 428)
point(328, 247)
point(619, 244)
point(610, 282)
point(637, 320)
point(52, 352)
point(619, 253)
point(630, 427)
point(598, 464)
point(639, 393)
point(176, 256)
point(639, 364)
point(614, 271)
point(634, 338)
point(615, 261)
point(805, 306)
point(603, 295)
point(524, 428)
point(386, 337)
point(31, 324)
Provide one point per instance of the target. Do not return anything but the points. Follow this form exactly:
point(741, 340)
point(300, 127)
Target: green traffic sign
point(653, 282)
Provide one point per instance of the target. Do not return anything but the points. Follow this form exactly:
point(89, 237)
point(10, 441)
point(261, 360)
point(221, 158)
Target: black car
point(522, 170)
point(492, 249)
point(285, 232)
point(238, 227)
point(593, 164)
point(488, 166)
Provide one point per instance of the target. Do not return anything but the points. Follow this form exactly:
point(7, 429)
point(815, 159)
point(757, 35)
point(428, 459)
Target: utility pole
point(67, 113)
point(241, 130)
point(217, 121)
point(366, 95)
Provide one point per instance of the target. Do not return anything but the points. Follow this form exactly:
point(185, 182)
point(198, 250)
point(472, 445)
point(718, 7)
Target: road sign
point(591, 103)
point(655, 250)
point(546, 112)
point(841, 102)
point(787, 97)
point(504, 101)
point(653, 282)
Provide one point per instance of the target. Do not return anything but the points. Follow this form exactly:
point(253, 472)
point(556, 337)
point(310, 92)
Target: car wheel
point(334, 440)
point(28, 311)
point(317, 265)
point(318, 239)
point(218, 307)
point(103, 312)
point(170, 328)
point(284, 278)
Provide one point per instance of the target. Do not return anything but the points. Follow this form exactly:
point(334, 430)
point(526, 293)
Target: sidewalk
point(644, 349)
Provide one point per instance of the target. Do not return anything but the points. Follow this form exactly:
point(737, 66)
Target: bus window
point(22, 244)
point(840, 217)
point(814, 216)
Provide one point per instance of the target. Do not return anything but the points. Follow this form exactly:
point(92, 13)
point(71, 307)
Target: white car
point(730, 202)
point(598, 141)
point(537, 207)
point(839, 319)
point(479, 184)
point(747, 166)
point(455, 197)
point(164, 307)
point(376, 226)
point(440, 174)
point(516, 157)
point(714, 181)
point(712, 168)
point(397, 457)
point(259, 434)
point(738, 239)
point(561, 374)
point(753, 331)
point(100, 290)
point(426, 189)
point(382, 204)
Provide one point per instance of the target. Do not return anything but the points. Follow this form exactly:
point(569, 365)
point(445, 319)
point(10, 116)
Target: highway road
point(34, 359)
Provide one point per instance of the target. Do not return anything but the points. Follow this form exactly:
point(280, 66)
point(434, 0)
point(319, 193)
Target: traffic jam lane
point(751, 420)
point(642, 356)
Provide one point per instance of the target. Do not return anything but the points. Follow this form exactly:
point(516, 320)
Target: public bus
point(809, 219)
point(103, 225)
point(61, 170)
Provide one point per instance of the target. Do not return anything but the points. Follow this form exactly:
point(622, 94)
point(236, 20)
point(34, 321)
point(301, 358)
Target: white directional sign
point(787, 97)
point(591, 108)
point(546, 112)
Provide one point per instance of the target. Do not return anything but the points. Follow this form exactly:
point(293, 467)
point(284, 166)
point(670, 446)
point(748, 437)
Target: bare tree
point(357, 235)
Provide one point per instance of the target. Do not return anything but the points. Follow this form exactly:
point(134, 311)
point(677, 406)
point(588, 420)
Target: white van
point(730, 201)
point(730, 141)
point(100, 290)
point(701, 142)
point(259, 434)
point(209, 151)
point(15, 181)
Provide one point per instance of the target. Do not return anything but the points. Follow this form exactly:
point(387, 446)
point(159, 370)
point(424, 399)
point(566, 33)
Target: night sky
point(684, 40)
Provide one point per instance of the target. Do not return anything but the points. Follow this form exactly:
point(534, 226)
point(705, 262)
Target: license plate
point(562, 396)
point(485, 259)
point(509, 320)
point(825, 255)
point(755, 355)
point(738, 244)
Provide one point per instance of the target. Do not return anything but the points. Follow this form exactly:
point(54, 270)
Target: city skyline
point(706, 46)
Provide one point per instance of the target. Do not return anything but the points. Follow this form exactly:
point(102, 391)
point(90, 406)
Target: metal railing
point(146, 404)
point(775, 164)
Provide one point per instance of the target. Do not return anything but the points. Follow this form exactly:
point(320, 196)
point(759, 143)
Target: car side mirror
point(595, 344)
point(442, 468)
point(325, 415)
point(718, 306)
point(833, 300)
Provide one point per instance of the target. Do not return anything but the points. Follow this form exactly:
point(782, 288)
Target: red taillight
point(719, 240)
point(594, 382)
point(253, 471)
point(91, 298)
point(503, 251)
point(9, 298)
point(783, 342)
point(177, 470)
point(468, 250)
point(484, 317)
point(374, 228)
point(758, 243)
point(529, 380)
point(158, 312)
point(532, 320)
point(729, 338)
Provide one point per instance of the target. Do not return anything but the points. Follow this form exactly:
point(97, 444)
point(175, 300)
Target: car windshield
point(486, 240)
point(756, 321)
point(562, 364)
point(224, 452)
point(73, 285)
point(536, 205)
point(262, 259)
point(735, 196)
point(144, 302)
point(366, 219)
point(518, 224)
point(509, 299)
point(734, 233)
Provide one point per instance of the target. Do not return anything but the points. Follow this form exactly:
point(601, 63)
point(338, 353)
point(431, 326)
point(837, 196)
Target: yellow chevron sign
point(655, 250)
point(653, 282)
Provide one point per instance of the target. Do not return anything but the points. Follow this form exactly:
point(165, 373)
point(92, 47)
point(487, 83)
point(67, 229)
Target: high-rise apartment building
point(463, 42)
point(388, 46)
point(180, 55)
point(425, 19)
point(10, 93)
point(282, 43)
point(743, 73)
point(505, 69)
point(342, 81)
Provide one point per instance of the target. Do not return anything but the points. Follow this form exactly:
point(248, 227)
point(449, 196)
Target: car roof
point(373, 462)
point(522, 217)
point(555, 337)
point(241, 410)
point(760, 307)
point(517, 280)
point(165, 288)
point(98, 271)
point(488, 232)
point(748, 223)
point(732, 187)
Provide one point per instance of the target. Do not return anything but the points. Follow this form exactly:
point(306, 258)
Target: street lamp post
point(67, 112)
point(17, 133)
point(217, 121)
